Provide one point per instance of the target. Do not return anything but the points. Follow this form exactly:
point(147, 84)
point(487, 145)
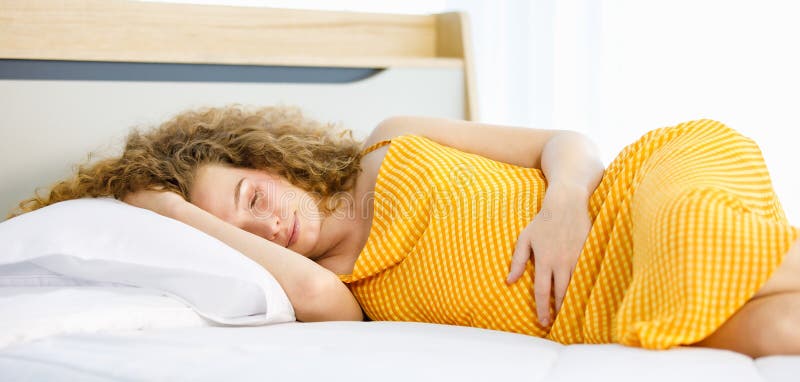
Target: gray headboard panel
point(47, 126)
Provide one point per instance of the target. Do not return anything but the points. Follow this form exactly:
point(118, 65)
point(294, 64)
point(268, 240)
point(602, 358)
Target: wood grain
point(115, 30)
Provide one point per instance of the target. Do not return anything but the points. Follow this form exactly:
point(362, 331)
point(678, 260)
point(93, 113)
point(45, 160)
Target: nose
point(274, 228)
point(268, 227)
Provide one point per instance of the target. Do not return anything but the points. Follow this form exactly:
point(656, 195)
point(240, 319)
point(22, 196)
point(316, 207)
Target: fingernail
point(543, 321)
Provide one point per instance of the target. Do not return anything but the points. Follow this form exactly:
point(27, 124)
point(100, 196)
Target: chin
point(305, 245)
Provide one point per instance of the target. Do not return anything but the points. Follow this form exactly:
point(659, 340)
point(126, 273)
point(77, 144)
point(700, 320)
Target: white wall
point(735, 61)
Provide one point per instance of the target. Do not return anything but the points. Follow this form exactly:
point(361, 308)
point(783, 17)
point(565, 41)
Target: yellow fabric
point(686, 228)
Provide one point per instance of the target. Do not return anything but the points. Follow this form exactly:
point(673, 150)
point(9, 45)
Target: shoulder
point(389, 129)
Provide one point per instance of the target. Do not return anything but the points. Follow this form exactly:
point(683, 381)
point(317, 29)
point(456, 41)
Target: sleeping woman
point(680, 241)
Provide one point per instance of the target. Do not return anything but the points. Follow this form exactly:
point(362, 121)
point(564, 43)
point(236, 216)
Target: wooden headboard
point(75, 76)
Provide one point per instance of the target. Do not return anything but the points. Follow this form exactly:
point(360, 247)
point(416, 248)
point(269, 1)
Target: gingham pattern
point(686, 229)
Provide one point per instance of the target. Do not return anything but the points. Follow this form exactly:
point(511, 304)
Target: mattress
point(114, 333)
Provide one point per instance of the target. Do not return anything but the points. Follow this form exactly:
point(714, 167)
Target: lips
point(293, 233)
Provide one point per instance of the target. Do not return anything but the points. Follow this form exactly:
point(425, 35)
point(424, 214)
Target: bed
point(75, 76)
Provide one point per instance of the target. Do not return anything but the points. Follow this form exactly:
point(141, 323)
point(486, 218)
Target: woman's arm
point(316, 293)
point(572, 166)
point(519, 146)
point(569, 160)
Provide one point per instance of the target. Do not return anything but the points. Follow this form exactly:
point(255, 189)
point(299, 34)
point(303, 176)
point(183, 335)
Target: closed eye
point(255, 208)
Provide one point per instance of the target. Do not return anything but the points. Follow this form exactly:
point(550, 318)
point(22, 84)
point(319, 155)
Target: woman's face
point(260, 203)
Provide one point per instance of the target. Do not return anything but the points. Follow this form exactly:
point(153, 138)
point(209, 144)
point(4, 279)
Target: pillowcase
point(109, 242)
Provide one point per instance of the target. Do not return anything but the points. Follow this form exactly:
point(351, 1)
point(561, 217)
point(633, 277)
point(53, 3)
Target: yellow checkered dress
point(686, 228)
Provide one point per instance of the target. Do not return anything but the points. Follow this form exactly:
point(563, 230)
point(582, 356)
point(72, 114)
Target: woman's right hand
point(161, 202)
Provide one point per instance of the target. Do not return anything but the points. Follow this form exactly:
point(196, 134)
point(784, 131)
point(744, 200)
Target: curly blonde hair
point(319, 158)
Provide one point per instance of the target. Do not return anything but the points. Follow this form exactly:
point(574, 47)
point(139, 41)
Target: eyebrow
point(236, 193)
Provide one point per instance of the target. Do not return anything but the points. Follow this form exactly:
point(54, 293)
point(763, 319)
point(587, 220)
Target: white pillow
point(106, 241)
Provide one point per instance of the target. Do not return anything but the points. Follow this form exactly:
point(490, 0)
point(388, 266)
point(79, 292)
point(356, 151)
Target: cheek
point(310, 217)
point(310, 229)
point(307, 208)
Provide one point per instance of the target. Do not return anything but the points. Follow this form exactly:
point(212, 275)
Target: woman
point(680, 241)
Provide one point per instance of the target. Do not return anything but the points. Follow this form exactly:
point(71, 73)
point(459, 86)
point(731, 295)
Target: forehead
point(214, 185)
point(210, 178)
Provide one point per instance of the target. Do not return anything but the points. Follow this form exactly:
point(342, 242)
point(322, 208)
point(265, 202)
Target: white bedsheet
point(31, 313)
point(113, 333)
point(379, 351)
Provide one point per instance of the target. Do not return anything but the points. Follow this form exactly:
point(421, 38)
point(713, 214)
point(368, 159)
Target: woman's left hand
point(555, 238)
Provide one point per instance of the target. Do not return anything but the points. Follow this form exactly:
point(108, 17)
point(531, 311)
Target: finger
point(541, 292)
point(522, 253)
point(560, 284)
